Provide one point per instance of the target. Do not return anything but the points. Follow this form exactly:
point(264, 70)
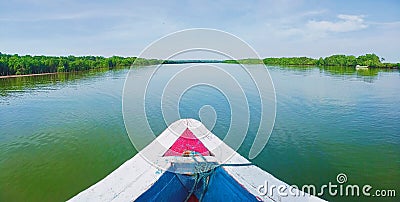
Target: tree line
point(370, 60)
point(27, 64)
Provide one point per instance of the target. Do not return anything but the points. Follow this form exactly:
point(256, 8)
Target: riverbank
point(25, 75)
point(31, 65)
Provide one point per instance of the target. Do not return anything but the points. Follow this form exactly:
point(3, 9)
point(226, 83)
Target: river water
point(61, 133)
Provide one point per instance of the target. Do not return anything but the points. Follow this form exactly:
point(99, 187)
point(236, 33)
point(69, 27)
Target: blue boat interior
point(216, 185)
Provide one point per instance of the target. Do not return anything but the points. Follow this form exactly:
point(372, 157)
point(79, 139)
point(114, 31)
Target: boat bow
point(187, 162)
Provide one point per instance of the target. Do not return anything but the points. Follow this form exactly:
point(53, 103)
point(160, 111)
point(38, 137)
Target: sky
point(313, 28)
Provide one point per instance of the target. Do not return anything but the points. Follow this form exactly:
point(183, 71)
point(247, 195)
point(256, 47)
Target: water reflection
point(367, 75)
point(16, 85)
point(10, 86)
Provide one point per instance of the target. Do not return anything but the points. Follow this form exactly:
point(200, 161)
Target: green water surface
point(61, 133)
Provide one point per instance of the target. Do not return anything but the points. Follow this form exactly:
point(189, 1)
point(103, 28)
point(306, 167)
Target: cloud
point(274, 28)
point(346, 23)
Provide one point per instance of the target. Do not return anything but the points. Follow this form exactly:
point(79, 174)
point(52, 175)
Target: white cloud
point(274, 28)
point(346, 23)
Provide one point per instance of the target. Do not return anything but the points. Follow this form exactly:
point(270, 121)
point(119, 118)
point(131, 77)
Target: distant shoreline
point(14, 66)
point(26, 75)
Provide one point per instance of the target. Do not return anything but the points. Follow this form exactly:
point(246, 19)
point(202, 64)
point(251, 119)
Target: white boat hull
point(134, 179)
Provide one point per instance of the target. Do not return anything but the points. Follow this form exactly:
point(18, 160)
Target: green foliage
point(231, 61)
point(250, 61)
point(290, 61)
point(144, 62)
point(370, 60)
point(15, 64)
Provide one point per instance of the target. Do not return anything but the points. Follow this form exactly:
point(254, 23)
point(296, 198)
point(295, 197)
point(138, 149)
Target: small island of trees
point(370, 60)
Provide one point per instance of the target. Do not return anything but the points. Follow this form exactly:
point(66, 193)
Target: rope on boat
point(205, 177)
point(204, 172)
point(194, 186)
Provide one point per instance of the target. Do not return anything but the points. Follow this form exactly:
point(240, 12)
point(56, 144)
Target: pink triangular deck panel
point(187, 142)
